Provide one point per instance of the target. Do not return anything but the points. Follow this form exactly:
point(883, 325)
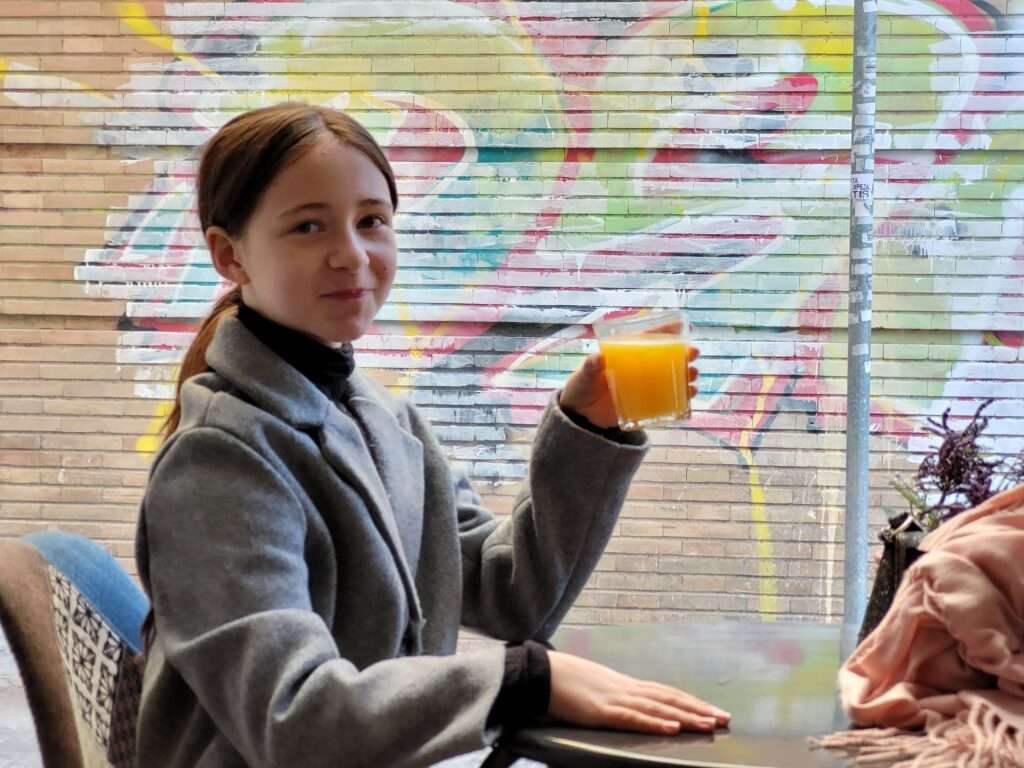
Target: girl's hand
point(586, 391)
point(589, 694)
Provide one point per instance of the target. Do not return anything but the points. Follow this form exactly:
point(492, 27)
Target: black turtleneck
point(327, 367)
point(526, 685)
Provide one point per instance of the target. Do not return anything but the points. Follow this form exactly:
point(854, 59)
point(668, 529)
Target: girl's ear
point(225, 253)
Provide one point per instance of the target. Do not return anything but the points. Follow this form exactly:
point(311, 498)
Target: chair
point(73, 617)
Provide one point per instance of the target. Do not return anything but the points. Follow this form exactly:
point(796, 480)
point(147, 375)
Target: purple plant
point(957, 474)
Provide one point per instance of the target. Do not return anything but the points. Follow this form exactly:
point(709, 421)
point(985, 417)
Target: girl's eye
point(372, 222)
point(308, 228)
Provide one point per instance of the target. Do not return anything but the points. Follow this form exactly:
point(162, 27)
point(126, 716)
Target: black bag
point(899, 553)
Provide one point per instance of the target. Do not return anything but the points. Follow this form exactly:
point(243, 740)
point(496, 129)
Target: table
point(776, 678)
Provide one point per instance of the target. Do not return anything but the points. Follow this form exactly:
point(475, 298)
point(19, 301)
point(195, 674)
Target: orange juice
point(648, 377)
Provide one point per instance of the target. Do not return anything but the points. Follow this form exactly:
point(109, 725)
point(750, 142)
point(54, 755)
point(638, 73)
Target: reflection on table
point(776, 678)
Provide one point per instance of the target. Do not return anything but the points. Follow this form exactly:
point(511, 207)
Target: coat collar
point(250, 366)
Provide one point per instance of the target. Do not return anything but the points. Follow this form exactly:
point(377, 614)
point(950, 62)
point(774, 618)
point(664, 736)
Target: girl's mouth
point(346, 295)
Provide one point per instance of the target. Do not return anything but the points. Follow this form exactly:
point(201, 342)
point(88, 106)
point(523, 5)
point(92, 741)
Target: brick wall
point(557, 161)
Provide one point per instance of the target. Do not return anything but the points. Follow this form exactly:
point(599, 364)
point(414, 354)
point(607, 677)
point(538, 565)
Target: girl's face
point(318, 254)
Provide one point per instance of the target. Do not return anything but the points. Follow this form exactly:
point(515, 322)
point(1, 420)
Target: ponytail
point(194, 361)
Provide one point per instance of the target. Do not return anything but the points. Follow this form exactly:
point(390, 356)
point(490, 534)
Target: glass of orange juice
point(647, 366)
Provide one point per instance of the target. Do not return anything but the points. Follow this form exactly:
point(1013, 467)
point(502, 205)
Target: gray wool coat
point(310, 565)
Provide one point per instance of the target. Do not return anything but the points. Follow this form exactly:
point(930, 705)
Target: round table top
point(776, 678)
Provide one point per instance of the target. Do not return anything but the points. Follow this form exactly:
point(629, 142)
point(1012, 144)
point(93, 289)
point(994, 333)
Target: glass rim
point(638, 322)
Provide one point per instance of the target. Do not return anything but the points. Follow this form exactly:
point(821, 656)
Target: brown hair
point(237, 166)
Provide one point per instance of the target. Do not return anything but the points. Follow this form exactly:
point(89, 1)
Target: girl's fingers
point(694, 353)
point(692, 722)
point(655, 708)
point(689, 717)
point(694, 374)
point(673, 697)
point(693, 392)
point(630, 720)
point(635, 720)
point(669, 693)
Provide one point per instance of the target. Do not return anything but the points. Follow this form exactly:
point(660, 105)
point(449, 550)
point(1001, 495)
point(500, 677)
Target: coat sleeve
point(521, 576)
point(225, 538)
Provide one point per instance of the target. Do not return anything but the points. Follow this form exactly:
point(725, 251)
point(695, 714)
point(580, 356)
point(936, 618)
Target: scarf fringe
point(979, 738)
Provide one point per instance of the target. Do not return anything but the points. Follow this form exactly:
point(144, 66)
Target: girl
point(309, 553)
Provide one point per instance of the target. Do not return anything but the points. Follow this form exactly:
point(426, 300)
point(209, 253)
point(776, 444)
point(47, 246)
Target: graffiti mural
point(561, 162)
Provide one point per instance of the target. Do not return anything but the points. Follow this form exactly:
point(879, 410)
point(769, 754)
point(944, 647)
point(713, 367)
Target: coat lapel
point(342, 444)
point(398, 458)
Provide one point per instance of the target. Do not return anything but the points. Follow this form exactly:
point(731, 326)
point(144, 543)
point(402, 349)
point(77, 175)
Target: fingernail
point(672, 727)
point(722, 713)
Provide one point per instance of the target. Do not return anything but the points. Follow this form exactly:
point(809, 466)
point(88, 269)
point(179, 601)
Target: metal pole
point(858, 371)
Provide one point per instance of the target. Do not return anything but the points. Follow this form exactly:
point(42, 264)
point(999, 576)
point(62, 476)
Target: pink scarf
point(948, 658)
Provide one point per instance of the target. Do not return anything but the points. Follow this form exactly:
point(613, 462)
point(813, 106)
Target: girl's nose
point(348, 252)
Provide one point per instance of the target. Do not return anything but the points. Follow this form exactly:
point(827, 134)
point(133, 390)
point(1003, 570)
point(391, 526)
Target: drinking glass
point(647, 367)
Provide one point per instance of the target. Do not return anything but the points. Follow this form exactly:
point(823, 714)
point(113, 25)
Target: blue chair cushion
point(97, 617)
point(99, 577)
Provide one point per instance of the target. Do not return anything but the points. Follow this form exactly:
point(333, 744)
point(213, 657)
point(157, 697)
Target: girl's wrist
point(569, 409)
point(581, 420)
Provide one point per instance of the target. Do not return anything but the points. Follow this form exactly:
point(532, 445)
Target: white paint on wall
point(8, 669)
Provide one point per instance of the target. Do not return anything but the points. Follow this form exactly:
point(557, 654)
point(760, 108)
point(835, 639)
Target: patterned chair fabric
point(66, 604)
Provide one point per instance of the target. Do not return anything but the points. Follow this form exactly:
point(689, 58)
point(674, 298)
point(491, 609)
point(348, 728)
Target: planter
point(899, 553)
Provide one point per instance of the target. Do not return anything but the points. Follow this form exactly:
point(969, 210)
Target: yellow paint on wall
point(768, 603)
point(702, 20)
point(411, 330)
point(138, 20)
point(153, 437)
point(828, 46)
